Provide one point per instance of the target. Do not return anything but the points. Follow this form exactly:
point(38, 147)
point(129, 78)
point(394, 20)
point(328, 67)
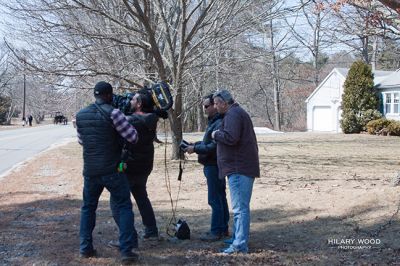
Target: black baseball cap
point(102, 88)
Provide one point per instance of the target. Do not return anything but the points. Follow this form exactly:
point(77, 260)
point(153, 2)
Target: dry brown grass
point(313, 188)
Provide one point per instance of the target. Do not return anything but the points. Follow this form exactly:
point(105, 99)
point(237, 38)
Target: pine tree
point(359, 100)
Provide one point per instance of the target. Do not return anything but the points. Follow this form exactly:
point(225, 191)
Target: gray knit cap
point(224, 95)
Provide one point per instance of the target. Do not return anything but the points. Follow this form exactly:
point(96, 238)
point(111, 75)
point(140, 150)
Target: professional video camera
point(159, 93)
point(123, 102)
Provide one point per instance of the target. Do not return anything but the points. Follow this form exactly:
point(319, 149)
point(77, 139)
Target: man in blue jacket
point(237, 154)
point(207, 156)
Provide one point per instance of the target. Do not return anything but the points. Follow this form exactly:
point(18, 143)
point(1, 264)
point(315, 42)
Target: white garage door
point(322, 118)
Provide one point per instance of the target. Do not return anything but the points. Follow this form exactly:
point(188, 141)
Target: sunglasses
point(206, 106)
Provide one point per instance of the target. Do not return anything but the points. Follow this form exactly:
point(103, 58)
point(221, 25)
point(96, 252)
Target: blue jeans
point(241, 187)
point(117, 185)
point(217, 200)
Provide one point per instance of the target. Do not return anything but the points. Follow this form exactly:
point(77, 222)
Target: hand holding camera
point(186, 147)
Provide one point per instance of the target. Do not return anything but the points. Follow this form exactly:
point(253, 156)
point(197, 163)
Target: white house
point(324, 103)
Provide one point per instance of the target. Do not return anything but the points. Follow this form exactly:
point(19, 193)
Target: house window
point(392, 101)
point(388, 103)
point(395, 103)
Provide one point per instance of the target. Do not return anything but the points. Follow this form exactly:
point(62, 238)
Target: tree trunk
point(177, 118)
point(266, 105)
point(374, 53)
point(176, 122)
point(365, 42)
point(200, 113)
point(10, 113)
point(275, 81)
point(365, 55)
point(176, 127)
point(316, 47)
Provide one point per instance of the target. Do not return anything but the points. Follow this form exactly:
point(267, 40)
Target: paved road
point(17, 145)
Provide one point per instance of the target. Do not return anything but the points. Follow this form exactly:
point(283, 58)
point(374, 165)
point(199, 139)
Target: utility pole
point(24, 100)
point(23, 108)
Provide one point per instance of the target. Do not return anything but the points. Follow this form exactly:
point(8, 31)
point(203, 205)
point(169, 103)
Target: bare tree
point(131, 42)
point(312, 32)
point(195, 45)
point(276, 46)
point(393, 4)
point(353, 29)
point(6, 74)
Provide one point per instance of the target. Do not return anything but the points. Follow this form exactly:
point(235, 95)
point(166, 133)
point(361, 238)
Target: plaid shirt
point(121, 124)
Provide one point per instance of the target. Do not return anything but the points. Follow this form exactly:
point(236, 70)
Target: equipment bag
point(161, 95)
point(182, 230)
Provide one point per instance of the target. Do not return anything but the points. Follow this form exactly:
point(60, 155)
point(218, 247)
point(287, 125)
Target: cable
point(172, 220)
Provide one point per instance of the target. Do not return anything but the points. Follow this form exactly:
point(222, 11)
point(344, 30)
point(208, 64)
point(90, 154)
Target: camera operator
point(207, 156)
point(139, 159)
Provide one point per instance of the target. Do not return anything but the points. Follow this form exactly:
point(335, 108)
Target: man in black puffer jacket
point(139, 159)
point(100, 128)
point(207, 156)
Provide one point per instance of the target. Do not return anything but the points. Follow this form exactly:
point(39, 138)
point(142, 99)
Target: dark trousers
point(117, 185)
point(217, 200)
point(139, 191)
point(137, 185)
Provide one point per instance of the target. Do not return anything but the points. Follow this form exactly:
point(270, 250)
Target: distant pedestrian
point(237, 156)
point(23, 121)
point(30, 118)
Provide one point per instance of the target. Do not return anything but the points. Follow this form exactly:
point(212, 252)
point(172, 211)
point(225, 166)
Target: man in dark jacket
point(237, 155)
point(207, 156)
point(100, 128)
point(139, 159)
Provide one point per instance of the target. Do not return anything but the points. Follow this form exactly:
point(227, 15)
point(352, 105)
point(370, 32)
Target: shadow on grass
point(46, 232)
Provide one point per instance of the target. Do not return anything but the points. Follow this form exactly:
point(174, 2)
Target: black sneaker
point(210, 237)
point(150, 236)
point(88, 254)
point(129, 258)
